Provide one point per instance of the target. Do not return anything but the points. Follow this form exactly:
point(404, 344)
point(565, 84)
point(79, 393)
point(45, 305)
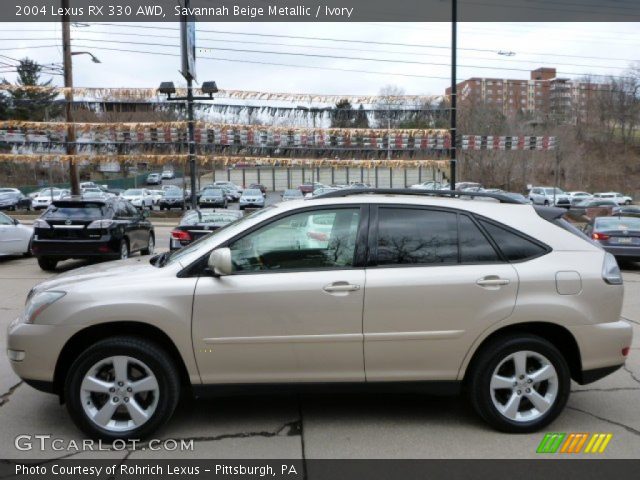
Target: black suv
point(111, 228)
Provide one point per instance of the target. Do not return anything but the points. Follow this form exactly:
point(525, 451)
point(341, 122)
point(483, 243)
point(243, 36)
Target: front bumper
point(601, 348)
point(40, 347)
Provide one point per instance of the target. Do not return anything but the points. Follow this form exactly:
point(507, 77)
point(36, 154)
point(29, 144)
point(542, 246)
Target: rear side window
point(407, 236)
point(513, 246)
point(474, 246)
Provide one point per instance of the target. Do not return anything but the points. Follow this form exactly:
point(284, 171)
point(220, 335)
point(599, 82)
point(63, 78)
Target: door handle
point(340, 287)
point(492, 281)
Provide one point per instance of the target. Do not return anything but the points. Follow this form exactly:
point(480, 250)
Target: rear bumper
point(75, 248)
point(601, 348)
point(627, 252)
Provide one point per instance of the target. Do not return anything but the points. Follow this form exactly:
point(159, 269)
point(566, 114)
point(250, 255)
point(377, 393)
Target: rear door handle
point(493, 281)
point(340, 287)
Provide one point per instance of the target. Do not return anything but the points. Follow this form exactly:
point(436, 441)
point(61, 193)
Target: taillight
point(625, 351)
point(100, 224)
point(600, 236)
point(180, 235)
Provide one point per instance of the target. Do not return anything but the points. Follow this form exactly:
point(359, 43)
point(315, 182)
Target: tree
point(361, 120)
point(388, 110)
point(342, 115)
point(5, 104)
point(29, 103)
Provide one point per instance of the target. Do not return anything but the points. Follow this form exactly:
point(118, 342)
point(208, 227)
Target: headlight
point(38, 303)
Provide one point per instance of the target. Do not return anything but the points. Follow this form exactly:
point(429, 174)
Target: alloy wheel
point(524, 386)
point(119, 393)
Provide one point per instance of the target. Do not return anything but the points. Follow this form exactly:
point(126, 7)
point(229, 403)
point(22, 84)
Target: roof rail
point(346, 192)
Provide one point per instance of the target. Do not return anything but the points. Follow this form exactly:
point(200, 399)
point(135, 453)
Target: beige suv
point(413, 289)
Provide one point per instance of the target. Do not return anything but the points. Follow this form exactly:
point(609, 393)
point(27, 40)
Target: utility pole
point(68, 95)
point(454, 93)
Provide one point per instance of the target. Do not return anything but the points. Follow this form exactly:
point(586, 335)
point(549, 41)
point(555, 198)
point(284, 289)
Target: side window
point(303, 241)
point(474, 246)
point(513, 246)
point(120, 210)
point(416, 236)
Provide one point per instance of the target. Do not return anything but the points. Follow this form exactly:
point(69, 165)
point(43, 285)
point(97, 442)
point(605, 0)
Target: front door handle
point(338, 287)
point(493, 281)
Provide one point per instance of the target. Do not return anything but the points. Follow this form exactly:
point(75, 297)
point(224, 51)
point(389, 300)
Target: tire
point(494, 359)
point(47, 264)
point(141, 357)
point(28, 252)
point(123, 250)
point(546, 203)
point(628, 202)
point(150, 246)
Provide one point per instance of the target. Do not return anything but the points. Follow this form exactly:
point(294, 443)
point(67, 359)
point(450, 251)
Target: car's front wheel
point(519, 383)
point(122, 387)
point(47, 264)
point(150, 246)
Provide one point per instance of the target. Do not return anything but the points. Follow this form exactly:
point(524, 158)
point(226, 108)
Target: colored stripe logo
point(574, 443)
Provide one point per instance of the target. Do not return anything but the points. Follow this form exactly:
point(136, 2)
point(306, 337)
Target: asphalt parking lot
point(323, 426)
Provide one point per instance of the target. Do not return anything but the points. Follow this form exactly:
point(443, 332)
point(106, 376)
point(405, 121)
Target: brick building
point(544, 95)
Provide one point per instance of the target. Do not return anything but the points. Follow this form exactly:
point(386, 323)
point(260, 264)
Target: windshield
point(85, 212)
point(212, 192)
point(206, 243)
point(133, 192)
point(618, 223)
point(550, 191)
point(209, 218)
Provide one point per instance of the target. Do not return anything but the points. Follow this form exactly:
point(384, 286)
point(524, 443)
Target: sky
point(412, 56)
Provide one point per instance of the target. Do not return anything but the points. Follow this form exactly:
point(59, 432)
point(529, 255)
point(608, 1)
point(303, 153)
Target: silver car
point(505, 301)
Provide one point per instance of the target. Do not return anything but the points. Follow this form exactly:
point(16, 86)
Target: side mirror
point(16, 221)
point(220, 262)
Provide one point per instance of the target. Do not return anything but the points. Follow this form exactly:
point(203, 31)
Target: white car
point(9, 190)
point(576, 197)
point(222, 183)
point(156, 195)
point(549, 196)
point(251, 198)
point(617, 197)
point(44, 197)
point(15, 238)
point(139, 197)
point(429, 185)
point(168, 174)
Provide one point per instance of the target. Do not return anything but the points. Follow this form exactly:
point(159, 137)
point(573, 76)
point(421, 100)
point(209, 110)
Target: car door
point(434, 283)
point(292, 310)
point(12, 237)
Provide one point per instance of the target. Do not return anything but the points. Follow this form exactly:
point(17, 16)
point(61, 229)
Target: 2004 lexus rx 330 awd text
point(502, 300)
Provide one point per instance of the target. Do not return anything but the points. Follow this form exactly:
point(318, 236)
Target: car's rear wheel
point(519, 383)
point(122, 387)
point(47, 264)
point(124, 250)
point(150, 246)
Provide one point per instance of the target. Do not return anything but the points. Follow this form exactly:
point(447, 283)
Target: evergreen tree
point(5, 104)
point(33, 104)
point(342, 116)
point(361, 119)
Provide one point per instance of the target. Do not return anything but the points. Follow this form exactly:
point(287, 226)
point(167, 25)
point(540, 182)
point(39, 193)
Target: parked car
point(248, 305)
point(93, 194)
point(461, 186)
point(14, 201)
point(575, 197)
point(251, 199)
point(15, 238)
point(617, 197)
point(154, 179)
point(213, 197)
point(44, 197)
point(156, 196)
point(173, 198)
point(626, 211)
point(139, 197)
point(231, 185)
point(111, 229)
point(259, 186)
point(168, 174)
point(549, 196)
point(620, 236)
point(310, 187)
point(428, 185)
point(198, 223)
point(321, 191)
point(591, 208)
point(292, 194)
point(9, 190)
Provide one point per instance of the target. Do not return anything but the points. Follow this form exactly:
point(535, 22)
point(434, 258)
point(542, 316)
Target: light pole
point(208, 88)
point(454, 93)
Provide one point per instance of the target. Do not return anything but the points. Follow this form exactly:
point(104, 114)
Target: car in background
point(139, 197)
point(44, 197)
point(212, 197)
point(620, 236)
point(90, 229)
point(292, 194)
point(575, 197)
point(9, 190)
point(251, 199)
point(156, 195)
point(15, 238)
point(231, 185)
point(172, 198)
point(617, 197)
point(321, 191)
point(14, 201)
point(198, 223)
point(310, 187)
point(428, 185)
point(154, 179)
point(259, 186)
point(594, 207)
point(93, 194)
point(462, 186)
point(626, 211)
point(168, 174)
point(549, 196)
